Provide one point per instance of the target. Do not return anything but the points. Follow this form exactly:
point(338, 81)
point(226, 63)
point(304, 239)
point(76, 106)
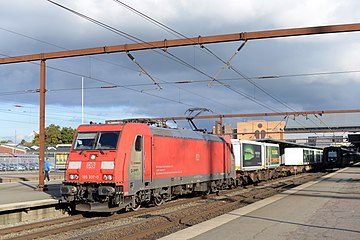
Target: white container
point(298, 156)
point(272, 155)
point(249, 155)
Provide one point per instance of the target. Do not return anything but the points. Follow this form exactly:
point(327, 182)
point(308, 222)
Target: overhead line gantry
point(163, 44)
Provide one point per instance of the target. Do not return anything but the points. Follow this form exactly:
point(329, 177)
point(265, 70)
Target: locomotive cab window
point(96, 140)
point(332, 154)
point(107, 140)
point(85, 141)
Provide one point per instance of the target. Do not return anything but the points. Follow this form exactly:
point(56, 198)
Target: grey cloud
point(266, 57)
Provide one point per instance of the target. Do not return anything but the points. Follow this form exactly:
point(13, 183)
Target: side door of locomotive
point(136, 164)
point(141, 162)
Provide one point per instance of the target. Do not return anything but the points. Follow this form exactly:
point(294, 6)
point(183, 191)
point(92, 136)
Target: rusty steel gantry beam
point(243, 36)
point(273, 114)
point(186, 42)
point(218, 124)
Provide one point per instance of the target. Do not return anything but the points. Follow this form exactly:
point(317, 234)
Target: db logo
point(90, 165)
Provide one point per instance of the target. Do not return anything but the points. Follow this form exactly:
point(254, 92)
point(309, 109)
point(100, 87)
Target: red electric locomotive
point(121, 166)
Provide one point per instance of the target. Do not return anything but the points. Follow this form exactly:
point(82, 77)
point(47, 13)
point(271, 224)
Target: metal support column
point(41, 185)
point(221, 126)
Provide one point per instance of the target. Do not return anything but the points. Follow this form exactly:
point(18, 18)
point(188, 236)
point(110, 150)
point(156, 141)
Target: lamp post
point(82, 100)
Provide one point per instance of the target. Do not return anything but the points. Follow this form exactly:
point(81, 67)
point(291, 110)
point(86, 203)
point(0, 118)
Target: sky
point(317, 72)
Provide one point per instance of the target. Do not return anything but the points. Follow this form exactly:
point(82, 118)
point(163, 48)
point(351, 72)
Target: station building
point(260, 129)
point(255, 129)
point(8, 149)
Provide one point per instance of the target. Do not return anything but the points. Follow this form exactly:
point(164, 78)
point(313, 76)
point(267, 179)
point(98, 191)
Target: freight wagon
point(255, 161)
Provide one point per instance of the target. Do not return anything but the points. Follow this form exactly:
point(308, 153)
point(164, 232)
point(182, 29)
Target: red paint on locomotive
point(146, 159)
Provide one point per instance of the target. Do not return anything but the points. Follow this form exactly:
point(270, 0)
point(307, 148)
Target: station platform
point(6, 177)
point(22, 195)
point(328, 208)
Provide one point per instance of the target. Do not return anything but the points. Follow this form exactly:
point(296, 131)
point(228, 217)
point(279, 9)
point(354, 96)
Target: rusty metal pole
point(221, 126)
point(216, 130)
point(42, 126)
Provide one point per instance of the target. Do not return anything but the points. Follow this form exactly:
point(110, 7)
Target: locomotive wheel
point(207, 192)
point(137, 204)
point(158, 200)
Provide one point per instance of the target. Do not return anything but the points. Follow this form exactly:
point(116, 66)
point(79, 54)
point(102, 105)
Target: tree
point(67, 135)
point(54, 135)
point(25, 143)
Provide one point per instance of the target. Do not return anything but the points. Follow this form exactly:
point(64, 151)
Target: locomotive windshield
point(96, 140)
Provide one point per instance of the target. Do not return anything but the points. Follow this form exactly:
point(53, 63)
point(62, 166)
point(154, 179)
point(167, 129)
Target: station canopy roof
point(287, 144)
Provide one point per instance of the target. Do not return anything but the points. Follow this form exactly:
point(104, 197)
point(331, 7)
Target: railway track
point(154, 222)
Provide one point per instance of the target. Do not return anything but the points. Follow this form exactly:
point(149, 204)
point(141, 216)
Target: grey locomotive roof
point(184, 133)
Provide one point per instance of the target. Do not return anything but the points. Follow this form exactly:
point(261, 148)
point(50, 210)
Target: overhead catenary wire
point(112, 29)
point(137, 40)
point(263, 90)
point(63, 48)
point(169, 29)
point(180, 82)
point(128, 88)
point(98, 80)
point(226, 64)
point(339, 72)
point(143, 70)
point(142, 41)
point(176, 33)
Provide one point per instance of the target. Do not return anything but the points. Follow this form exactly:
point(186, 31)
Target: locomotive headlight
point(92, 157)
point(107, 177)
point(74, 177)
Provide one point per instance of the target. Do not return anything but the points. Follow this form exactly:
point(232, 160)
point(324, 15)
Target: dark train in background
point(337, 157)
point(122, 166)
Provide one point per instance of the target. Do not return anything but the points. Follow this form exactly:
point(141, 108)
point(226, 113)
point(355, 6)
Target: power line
point(176, 33)
point(114, 30)
point(221, 83)
point(132, 38)
point(168, 29)
point(126, 35)
point(98, 80)
point(63, 48)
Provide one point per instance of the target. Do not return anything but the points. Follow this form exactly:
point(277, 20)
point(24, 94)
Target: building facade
point(7, 149)
point(259, 129)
